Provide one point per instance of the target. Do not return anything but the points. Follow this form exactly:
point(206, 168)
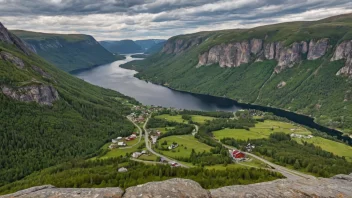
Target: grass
point(184, 141)
point(149, 157)
point(337, 148)
point(164, 129)
point(173, 118)
point(119, 151)
point(178, 118)
point(201, 119)
point(261, 130)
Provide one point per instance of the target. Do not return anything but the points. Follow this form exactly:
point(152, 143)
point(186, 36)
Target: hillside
point(122, 47)
point(304, 67)
point(68, 52)
point(155, 48)
point(49, 117)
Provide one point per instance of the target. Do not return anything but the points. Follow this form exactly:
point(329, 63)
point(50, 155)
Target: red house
point(236, 154)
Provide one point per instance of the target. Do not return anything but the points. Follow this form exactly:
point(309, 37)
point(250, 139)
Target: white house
point(121, 144)
point(136, 154)
point(172, 146)
point(119, 138)
point(114, 141)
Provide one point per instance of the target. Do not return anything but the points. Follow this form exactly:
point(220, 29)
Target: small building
point(144, 152)
point(236, 154)
point(136, 154)
point(163, 160)
point(121, 144)
point(173, 146)
point(119, 138)
point(112, 146)
point(114, 141)
point(154, 139)
point(122, 170)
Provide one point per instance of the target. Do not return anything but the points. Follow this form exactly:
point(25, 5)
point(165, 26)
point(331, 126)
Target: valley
point(222, 108)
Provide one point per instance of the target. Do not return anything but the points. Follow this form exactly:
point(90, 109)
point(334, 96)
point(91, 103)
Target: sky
point(138, 19)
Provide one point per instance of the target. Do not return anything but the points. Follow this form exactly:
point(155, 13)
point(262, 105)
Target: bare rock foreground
point(337, 186)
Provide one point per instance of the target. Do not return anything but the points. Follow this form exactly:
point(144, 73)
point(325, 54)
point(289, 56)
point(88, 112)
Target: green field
point(261, 130)
point(337, 148)
point(178, 118)
point(119, 151)
point(175, 118)
point(186, 144)
point(149, 157)
point(164, 129)
point(201, 119)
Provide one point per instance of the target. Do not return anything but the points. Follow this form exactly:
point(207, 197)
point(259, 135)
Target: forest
point(34, 137)
point(104, 173)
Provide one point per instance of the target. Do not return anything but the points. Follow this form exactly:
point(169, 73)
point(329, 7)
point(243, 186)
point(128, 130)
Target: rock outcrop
point(12, 59)
point(337, 186)
point(41, 94)
point(170, 188)
point(7, 37)
point(344, 51)
point(49, 191)
point(180, 45)
point(41, 72)
point(237, 53)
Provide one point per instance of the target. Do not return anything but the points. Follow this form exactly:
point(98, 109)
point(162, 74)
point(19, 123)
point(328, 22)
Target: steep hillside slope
point(122, 47)
point(47, 116)
point(303, 67)
point(68, 52)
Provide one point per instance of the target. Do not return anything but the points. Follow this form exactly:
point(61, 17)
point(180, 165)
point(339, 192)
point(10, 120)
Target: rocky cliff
point(337, 186)
point(39, 93)
point(237, 53)
point(7, 37)
point(179, 45)
point(344, 51)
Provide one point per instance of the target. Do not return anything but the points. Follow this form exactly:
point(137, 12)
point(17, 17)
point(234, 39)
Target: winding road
point(288, 173)
point(148, 146)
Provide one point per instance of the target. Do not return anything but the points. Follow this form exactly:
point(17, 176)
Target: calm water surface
point(122, 80)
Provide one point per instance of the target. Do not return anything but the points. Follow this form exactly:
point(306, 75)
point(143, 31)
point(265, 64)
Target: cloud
point(138, 19)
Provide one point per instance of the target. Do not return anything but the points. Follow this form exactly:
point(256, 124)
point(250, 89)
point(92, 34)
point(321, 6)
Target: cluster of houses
point(121, 142)
point(250, 147)
point(294, 135)
point(237, 155)
point(154, 135)
point(138, 154)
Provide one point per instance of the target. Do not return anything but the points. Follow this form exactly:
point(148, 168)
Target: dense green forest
point(104, 173)
point(311, 86)
point(68, 52)
point(33, 136)
point(304, 157)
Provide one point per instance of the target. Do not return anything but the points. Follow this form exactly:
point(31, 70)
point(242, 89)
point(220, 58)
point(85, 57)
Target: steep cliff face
point(41, 94)
point(67, 52)
point(344, 51)
point(237, 53)
point(180, 45)
point(337, 186)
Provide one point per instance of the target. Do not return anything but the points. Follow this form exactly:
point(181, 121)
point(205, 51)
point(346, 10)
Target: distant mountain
point(155, 48)
point(67, 51)
point(122, 47)
point(149, 43)
point(129, 46)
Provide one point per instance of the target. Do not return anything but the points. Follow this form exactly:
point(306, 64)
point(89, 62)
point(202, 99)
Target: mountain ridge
point(287, 66)
point(67, 51)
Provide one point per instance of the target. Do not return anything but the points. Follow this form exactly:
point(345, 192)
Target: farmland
point(178, 118)
point(261, 130)
point(186, 144)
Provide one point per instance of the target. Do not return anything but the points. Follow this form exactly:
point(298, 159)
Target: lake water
point(122, 80)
